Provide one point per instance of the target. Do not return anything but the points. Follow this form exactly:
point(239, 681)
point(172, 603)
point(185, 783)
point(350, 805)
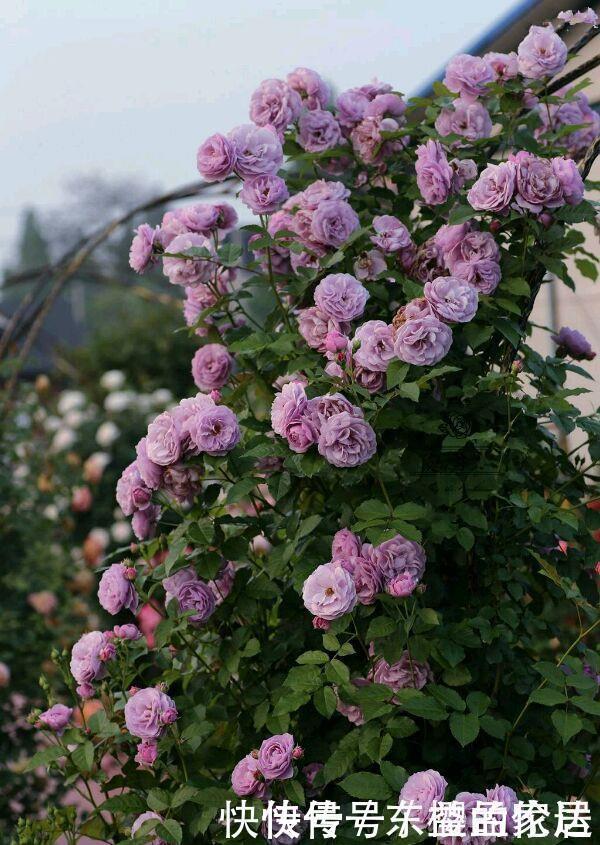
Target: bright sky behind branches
point(130, 88)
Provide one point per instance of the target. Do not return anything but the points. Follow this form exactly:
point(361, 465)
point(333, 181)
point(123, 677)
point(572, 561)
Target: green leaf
point(446, 696)
point(381, 626)
point(83, 756)
point(331, 642)
point(418, 704)
point(127, 803)
point(410, 511)
point(395, 776)
point(478, 703)
point(294, 792)
point(464, 727)
point(566, 724)
point(170, 830)
point(588, 705)
point(337, 672)
point(325, 701)
point(42, 758)
point(497, 728)
point(466, 538)
point(547, 697)
point(313, 657)
point(410, 390)
point(366, 785)
point(460, 214)
point(396, 373)
point(372, 509)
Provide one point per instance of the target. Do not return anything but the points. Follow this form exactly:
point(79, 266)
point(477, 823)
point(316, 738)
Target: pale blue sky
point(125, 87)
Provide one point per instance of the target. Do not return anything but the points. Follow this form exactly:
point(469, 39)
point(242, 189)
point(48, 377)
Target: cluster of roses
point(91, 653)
point(527, 183)
point(148, 713)
point(359, 571)
point(194, 426)
point(403, 674)
point(273, 761)
point(343, 436)
point(425, 789)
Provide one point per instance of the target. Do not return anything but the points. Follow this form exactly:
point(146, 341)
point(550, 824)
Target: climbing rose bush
point(370, 564)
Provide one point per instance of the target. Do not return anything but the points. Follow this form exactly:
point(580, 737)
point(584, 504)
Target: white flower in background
point(70, 399)
point(118, 515)
point(63, 439)
point(74, 418)
point(112, 379)
point(51, 512)
point(100, 536)
point(53, 423)
point(119, 400)
point(21, 472)
point(107, 434)
point(22, 451)
point(121, 531)
point(94, 466)
point(40, 415)
point(161, 397)
point(23, 419)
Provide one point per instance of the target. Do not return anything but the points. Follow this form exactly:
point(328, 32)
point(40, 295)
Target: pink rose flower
point(504, 65)
point(434, 174)
point(314, 325)
point(214, 430)
point(406, 673)
point(116, 591)
point(162, 441)
point(542, 53)
point(142, 247)
point(211, 366)
point(341, 296)
point(147, 752)
point(494, 189)
point(313, 90)
point(275, 757)
point(275, 103)
point(264, 194)
point(318, 130)
point(329, 591)
point(258, 150)
point(392, 235)
point(376, 349)
point(247, 778)
point(43, 602)
point(216, 158)
point(468, 76)
point(187, 271)
point(345, 544)
point(333, 222)
point(346, 440)
point(471, 120)
point(423, 341)
point(424, 789)
point(145, 713)
point(452, 300)
point(86, 664)
point(56, 718)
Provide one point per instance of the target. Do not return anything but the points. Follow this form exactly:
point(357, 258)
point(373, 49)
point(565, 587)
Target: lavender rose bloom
point(56, 718)
point(333, 222)
point(573, 343)
point(196, 595)
point(275, 103)
point(321, 408)
point(406, 673)
point(471, 120)
point(504, 65)
point(351, 107)
point(508, 797)
point(321, 191)
point(397, 556)
point(132, 493)
point(329, 591)
point(345, 544)
point(424, 788)
point(449, 239)
point(116, 591)
point(145, 817)
point(214, 430)
point(475, 246)
point(341, 296)
point(484, 275)
point(414, 309)
point(187, 271)
point(468, 76)
point(428, 262)
point(142, 246)
point(201, 218)
point(469, 800)
point(369, 265)
point(147, 713)
point(222, 585)
point(423, 341)
point(434, 174)
point(289, 404)
point(197, 300)
point(264, 194)
point(494, 189)
point(162, 441)
point(367, 577)
point(452, 300)
point(346, 440)
point(569, 178)
point(573, 112)
point(247, 778)
point(301, 433)
point(314, 325)
point(318, 130)
point(275, 757)
point(376, 345)
point(392, 235)
point(537, 185)
point(541, 53)
point(313, 90)
point(127, 632)
point(144, 522)
point(216, 158)
point(86, 665)
point(258, 150)
point(211, 366)
point(150, 472)
point(182, 481)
